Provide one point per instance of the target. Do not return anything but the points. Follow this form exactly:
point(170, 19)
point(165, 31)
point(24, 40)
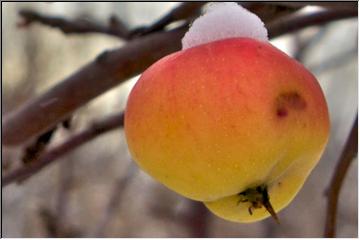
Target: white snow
point(224, 20)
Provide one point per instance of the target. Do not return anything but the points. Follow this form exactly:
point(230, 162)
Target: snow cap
point(224, 20)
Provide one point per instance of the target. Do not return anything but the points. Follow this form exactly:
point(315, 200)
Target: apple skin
point(211, 121)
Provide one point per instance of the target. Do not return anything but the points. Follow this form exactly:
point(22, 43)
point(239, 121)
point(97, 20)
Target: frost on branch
point(224, 20)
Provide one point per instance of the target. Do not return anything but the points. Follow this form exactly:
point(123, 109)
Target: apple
point(234, 123)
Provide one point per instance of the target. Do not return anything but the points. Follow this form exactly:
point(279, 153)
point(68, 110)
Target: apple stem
point(267, 204)
point(258, 197)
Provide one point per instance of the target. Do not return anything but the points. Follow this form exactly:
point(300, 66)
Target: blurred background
point(85, 194)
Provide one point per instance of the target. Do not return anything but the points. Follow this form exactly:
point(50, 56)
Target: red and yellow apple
point(215, 121)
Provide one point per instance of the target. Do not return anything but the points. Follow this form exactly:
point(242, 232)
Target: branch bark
point(297, 22)
point(115, 27)
point(69, 145)
point(185, 11)
point(267, 11)
point(348, 154)
point(328, 5)
point(106, 71)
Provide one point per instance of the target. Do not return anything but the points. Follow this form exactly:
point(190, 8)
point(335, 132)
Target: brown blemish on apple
point(289, 101)
point(281, 112)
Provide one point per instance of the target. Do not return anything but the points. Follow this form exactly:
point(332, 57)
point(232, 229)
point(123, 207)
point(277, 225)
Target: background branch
point(106, 71)
point(66, 181)
point(348, 154)
point(329, 5)
point(115, 199)
point(269, 12)
point(185, 11)
point(70, 144)
point(297, 22)
point(196, 220)
point(115, 27)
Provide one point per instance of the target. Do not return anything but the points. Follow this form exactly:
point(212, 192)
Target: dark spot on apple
point(281, 112)
point(288, 101)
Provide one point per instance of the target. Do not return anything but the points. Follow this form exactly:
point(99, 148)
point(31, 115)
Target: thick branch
point(268, 12)
point(109, 69)
point(185, 11)
point(70, 144)
point(115, 27)
point(329, 5)
point(348, 154)
point(297, 22)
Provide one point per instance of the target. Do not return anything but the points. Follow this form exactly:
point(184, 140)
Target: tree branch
point(115, 27)
point(106, 71)
point(185, 11)
point(328, 5)
point(66, 181)
point(348, 154)
point(70, 144)
point(114, 200)
point(296, 22)
point(268, 12)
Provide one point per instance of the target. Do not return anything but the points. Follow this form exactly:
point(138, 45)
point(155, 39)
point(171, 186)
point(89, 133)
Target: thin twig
point(69, 145)
point(115, 200)
point(268, 12)
point(49, 220)
point(55, 220)
point(115, 27)
point(108, 70)
point(35, 149)
point(304, 45)
point(299, 21)
point(348, 154)
point(185, 11)
point(329, 5)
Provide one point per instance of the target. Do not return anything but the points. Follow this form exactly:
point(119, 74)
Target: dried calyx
point(258, 197)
